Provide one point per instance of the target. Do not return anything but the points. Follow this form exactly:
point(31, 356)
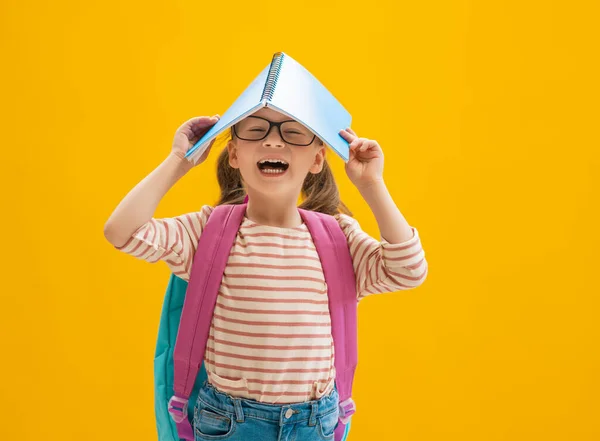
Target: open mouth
point(272, 167)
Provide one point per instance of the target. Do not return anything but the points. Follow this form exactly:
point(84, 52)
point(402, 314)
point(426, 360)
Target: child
point(270, 340)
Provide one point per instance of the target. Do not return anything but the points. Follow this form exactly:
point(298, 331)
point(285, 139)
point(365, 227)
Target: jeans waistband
point(245, 408)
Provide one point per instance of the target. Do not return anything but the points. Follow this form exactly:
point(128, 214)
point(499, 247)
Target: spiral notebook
point(287, 87)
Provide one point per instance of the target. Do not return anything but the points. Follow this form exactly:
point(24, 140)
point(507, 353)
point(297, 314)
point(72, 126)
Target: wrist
point(372, 186)
point(374, 193)
point(180, 162)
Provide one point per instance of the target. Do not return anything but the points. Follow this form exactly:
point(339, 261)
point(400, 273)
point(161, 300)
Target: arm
point(138, 206)
point(131, 227)
point(392, 225)
point(398, 261)
point(380, 266)
point(173, 240)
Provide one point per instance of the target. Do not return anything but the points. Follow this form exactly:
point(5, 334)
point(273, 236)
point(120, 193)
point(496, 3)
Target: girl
point(270, 340)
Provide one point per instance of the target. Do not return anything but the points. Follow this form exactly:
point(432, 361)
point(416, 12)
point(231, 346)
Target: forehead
point(271, 115)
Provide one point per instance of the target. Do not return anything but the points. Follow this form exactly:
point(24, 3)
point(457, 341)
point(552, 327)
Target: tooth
point(273, 160)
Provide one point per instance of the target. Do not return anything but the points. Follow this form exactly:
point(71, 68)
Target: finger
point(356, 144)
point(351, 156)
point(362, 145)
point(199, 121)
point(369, 155)
point(369, 145)
point(351, 131)
point(200, 127)
point(206, 121)
point(347, 136)
point(196, 120)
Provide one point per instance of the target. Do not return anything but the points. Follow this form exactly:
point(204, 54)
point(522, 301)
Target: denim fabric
point(219, 416)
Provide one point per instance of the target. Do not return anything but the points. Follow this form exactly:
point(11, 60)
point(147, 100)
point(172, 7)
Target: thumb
point(201, 121)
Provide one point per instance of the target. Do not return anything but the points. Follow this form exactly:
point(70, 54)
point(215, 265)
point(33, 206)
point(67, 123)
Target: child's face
point(275, 179)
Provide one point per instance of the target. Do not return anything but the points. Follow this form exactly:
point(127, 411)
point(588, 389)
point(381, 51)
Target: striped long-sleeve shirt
point(270, 338)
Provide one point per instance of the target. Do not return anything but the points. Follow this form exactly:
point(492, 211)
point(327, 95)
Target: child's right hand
point(189, 133)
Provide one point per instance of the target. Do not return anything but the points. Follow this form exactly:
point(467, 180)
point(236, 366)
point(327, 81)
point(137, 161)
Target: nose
point(273, 138)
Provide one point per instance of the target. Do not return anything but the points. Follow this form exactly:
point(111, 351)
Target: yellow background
point(488, 116)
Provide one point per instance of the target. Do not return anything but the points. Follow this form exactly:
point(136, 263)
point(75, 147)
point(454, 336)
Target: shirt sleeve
point(172, 240)
point(380, 266)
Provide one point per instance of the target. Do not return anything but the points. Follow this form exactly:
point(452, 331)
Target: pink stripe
point(377, 266)
point(270, 311)
point(404, 276)
point(271, 371)
point(279, 267)
point(172, 263)
point(371, 271)
point(274, 359)
point(409, 256)
point(140, 249)
point(134, 252)
point(271, 288)
point(416, 265)
point(275, 245)
point(276, 382)
point(267, 277)
point(282, 236)
point(184, 249)
point(402, 248)
point(250, 299)
point(258, 392)
point(192, 228)
point(268, 335)
point(278, 256)
point(270, 323)
point(151, 226)
point(154, 231)
point(166, 252)
point(247, 225)
point(166, 224)
point(274, 347)
point(126, 244)
point(250, 224)
point(277, 394)
point(221, 386)
point(180, 231)
point(359, 267)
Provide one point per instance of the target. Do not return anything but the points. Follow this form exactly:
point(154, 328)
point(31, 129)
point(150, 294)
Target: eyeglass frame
point(271, 125)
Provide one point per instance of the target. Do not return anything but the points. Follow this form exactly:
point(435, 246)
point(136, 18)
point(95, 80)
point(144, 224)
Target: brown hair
point(319, 191)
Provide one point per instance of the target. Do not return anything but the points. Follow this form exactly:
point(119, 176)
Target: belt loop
point(239, 412)
point(313, 414)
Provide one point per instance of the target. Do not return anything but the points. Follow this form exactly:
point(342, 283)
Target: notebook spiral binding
point(273, 76)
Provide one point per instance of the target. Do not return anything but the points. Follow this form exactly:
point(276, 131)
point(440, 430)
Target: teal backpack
point(164, 365)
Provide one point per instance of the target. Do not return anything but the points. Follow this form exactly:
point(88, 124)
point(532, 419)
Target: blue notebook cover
point(287, 87)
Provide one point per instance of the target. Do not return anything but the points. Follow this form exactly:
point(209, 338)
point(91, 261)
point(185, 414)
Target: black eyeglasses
point(255, 128)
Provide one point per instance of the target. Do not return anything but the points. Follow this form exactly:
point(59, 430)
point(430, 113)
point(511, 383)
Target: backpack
point(179, 371)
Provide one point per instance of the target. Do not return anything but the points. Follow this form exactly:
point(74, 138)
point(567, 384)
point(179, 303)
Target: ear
point(317, 165)
point(232, 151)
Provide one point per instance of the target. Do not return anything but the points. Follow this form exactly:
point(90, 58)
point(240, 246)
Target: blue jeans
point(219, 416)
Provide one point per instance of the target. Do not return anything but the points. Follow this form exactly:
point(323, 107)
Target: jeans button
point(289, 413)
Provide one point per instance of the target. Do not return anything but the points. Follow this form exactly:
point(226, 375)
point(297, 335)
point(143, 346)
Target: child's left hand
point(365, 165)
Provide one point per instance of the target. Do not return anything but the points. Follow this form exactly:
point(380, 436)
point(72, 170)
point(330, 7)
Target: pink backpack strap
point(336, 260)
point(208, 266)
